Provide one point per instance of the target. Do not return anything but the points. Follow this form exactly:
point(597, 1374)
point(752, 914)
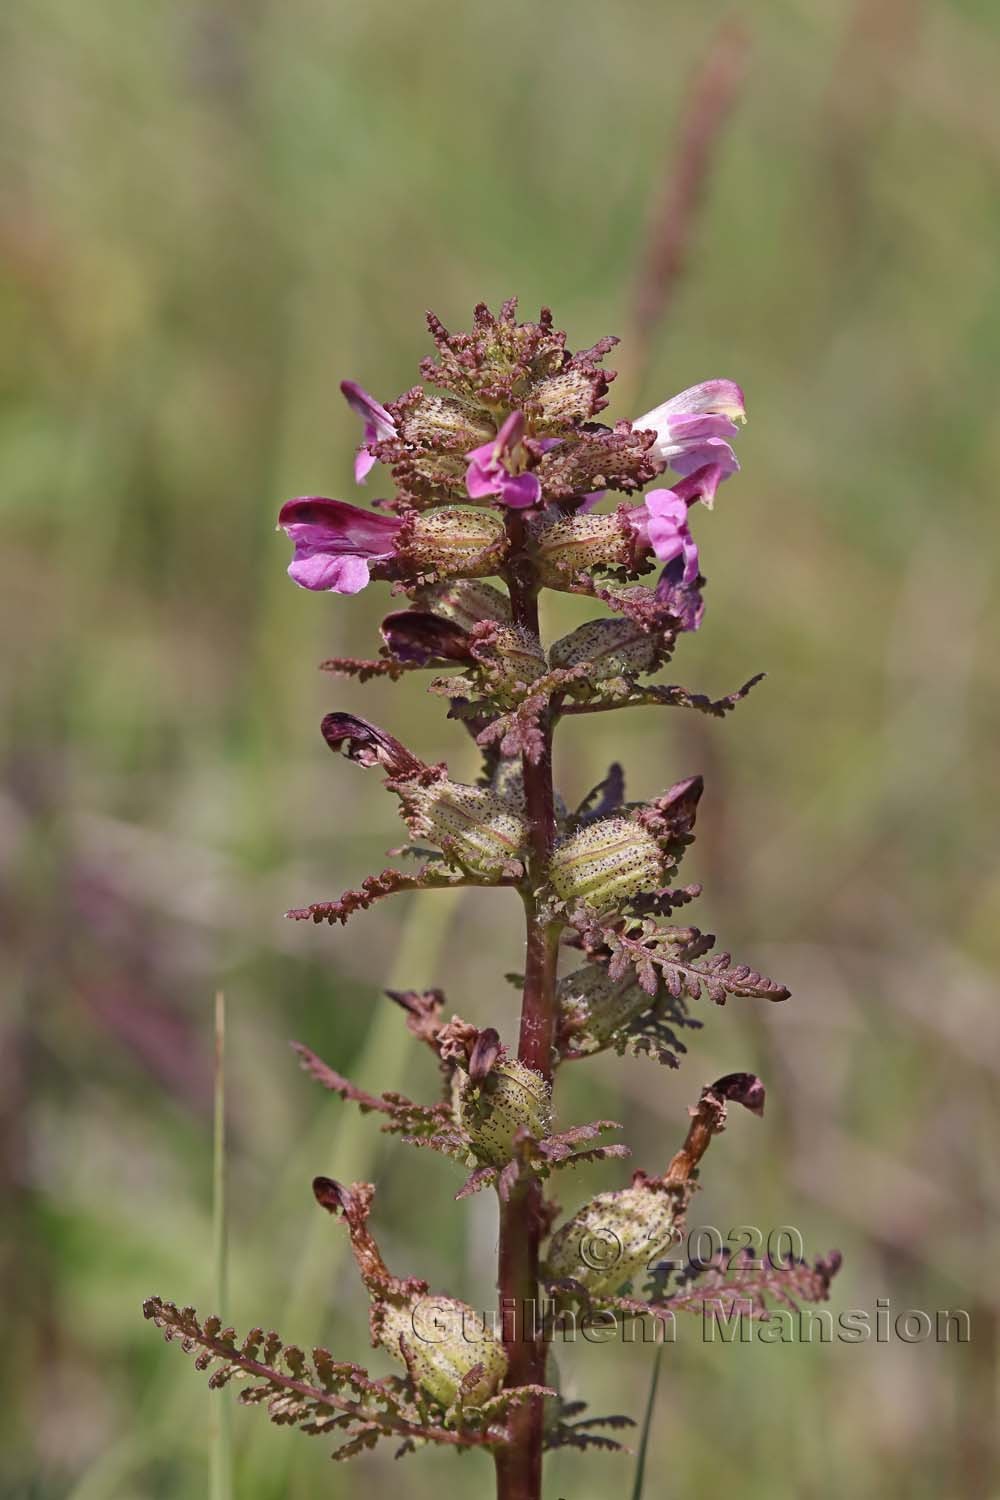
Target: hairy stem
point(519, 1465)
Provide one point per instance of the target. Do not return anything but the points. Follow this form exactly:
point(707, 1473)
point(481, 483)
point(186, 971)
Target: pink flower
point(378, 425)
point(335, 543)
point(692, 429)
point(488, 473)
point(661, 520)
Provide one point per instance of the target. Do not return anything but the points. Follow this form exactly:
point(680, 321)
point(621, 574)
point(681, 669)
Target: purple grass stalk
point(221, 1463)
point(709, 101)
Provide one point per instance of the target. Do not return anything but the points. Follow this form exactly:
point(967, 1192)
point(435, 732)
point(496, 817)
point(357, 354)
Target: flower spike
point(500, 467)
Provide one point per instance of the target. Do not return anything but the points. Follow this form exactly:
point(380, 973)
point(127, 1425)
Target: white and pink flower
point(693, 429)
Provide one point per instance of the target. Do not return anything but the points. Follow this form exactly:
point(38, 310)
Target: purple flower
point(488, 473)
point(661, 520)
point(692, 429)
point(335, 543)
point(683, 600)
point(378, 425)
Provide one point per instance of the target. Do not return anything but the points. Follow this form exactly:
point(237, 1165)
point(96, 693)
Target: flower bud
point(365, 743)
point(514, 654)
point(605, 862)
point(457, 541)
point(613, 647)
point(565, 547)
point(426, 420)
point(593, 1006)
point(573, 395)
point(464, 601)
point(445, 1340)
point(616, 1238)
point(482, 831)
point(494, 1107)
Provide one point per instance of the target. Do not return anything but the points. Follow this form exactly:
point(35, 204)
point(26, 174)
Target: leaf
point(677, 954)
point(419, 1124)
point(316, 1395)
point(365, 670)
point(732, 1280)
point(731, 1283)
point(664, 696)
point(679, 697)
point(560, 1432)
point(374, 888)
point(536, 1157)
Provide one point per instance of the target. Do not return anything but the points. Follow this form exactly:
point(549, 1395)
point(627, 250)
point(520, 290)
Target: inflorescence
point(502, 477)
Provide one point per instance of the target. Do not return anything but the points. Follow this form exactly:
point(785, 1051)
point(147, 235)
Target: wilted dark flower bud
point(593, 1006)
point(414, 635)
point(605, 862)
point(455, 541)
point(368, 745)
point(474, 826)
point(612, 646)
point(566, 547)
point(438, 628)
point(479, 829)
point(672, 814)
point(616, 1237)
point(497, 1097)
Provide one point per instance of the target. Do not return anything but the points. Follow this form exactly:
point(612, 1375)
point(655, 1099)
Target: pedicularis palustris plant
point(502, 471)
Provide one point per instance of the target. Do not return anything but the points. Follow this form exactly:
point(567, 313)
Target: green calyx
point(616, 1239)
point(606, 862)
point(493, 1109)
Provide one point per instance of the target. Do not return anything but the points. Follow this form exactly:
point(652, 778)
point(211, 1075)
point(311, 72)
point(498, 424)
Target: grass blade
point(647, 1422)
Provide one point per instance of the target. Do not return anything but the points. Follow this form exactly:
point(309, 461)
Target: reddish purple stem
point(519, 1466)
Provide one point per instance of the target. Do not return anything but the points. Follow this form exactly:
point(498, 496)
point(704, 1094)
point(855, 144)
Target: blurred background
point(210, 214)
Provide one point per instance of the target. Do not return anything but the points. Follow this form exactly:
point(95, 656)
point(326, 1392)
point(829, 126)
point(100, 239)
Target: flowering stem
point(519, 1464)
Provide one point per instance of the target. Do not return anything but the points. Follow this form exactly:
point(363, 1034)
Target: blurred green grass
point(210, 213)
